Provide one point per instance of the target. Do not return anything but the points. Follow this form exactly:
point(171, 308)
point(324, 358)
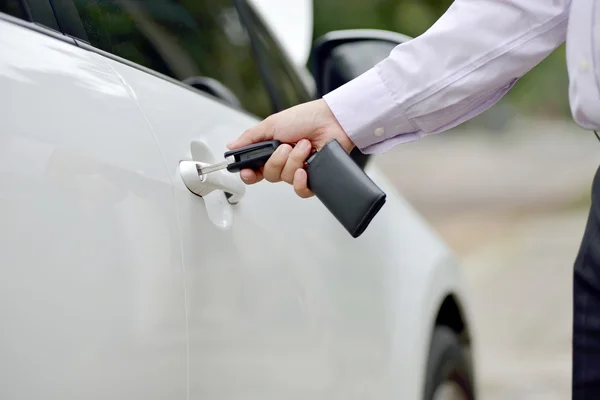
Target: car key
point(252, 157)
point(341, 185)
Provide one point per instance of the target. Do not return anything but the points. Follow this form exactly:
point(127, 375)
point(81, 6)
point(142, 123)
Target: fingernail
point(244, 176)
point(285, 149)
point(304, 144)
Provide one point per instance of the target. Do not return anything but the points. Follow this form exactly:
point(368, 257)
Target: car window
point(181, 39)
point(287, 85)
point(14, 8)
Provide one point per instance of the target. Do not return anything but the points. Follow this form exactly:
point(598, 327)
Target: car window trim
point(251, 18)
point(86, 46)
point(34, 26)
point(72, 26)
point(245, 18)
point(41, 12)
point(26, 9)
point(69, 20)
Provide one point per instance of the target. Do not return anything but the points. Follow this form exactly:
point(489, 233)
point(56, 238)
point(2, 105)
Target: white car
point(119, 282)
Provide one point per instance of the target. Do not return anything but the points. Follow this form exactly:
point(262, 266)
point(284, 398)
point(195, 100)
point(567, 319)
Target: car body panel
point(91, 287)
point(282, 302)
point(163, 294)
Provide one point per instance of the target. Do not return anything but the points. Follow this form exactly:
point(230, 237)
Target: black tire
point(448, 368)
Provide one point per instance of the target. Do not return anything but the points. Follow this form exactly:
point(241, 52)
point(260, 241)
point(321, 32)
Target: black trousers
point(586, 306)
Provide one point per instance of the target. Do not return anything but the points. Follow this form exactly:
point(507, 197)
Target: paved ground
point(513, 207)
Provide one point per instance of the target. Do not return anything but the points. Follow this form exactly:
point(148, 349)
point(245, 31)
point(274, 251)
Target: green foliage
point(543, 91)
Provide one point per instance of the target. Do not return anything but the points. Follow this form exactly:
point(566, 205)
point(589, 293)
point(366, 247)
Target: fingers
point(296, 160)
point(251, 177)
point(300, 181)
point(258, 133)
point(274, 166)
point(301, 184)
point(285, 164)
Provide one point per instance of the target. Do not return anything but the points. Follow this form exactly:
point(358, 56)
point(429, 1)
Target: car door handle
point(203, 184)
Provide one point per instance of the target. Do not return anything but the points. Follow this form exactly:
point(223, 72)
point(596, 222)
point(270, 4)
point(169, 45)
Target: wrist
point(332, 129)
point(367, 110)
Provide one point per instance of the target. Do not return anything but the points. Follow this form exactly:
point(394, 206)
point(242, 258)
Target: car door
point(281, 301)
point(91, 276)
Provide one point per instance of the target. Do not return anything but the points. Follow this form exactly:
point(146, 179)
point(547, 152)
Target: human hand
point(307, 125)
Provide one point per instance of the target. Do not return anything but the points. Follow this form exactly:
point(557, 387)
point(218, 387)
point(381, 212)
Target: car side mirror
point(340, 56)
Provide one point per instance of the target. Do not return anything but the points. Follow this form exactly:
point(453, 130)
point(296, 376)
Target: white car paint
point(91, 277)
point(117, 282)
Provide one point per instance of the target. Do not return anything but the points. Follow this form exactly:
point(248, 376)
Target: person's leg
point(586, 306)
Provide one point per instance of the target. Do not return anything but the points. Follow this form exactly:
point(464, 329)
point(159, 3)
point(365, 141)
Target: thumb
point(258, 133)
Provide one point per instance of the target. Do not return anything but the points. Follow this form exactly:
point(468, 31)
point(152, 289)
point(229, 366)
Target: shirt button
point(584, 65)
point(379, 131)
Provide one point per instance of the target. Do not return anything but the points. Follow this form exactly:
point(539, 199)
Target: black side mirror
point(214, 88)
point(340, 56)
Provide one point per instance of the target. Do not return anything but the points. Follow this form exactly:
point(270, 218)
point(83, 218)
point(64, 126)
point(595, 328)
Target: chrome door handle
point(203, 184)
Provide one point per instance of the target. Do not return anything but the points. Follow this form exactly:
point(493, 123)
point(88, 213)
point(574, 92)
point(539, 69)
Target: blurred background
point(509, 191)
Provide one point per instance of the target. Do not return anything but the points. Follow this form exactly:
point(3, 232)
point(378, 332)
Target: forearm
point(459, 68)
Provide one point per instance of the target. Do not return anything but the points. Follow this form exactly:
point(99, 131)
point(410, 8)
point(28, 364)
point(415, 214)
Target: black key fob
point(344, 188)
point(252, 157)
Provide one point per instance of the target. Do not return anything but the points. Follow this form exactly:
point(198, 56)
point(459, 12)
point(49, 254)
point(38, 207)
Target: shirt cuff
point(368, 113)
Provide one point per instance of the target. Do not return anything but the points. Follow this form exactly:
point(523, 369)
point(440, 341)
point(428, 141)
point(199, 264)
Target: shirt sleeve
point(471, 57)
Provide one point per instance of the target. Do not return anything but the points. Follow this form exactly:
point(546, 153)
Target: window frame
point(70, 27)
point(41, 12)
point(38, 12)
point(86, 46)
point(252, 20)
point(68, 19)
point(258, 59)
point(62, 17)
point(26, 10)
point(36, 27)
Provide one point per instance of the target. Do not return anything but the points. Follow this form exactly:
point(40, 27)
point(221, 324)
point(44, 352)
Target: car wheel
point(448, 372)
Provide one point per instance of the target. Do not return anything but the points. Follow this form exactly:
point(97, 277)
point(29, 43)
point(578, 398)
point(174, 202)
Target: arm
point(461, 66)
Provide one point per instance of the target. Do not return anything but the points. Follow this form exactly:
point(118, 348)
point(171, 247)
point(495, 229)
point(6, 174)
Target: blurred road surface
point(512, 205)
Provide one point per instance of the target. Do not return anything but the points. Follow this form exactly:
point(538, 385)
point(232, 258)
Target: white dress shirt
point(463, 64)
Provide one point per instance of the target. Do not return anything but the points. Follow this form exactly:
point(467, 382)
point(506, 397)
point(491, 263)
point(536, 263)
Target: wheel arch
point(451, 314)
